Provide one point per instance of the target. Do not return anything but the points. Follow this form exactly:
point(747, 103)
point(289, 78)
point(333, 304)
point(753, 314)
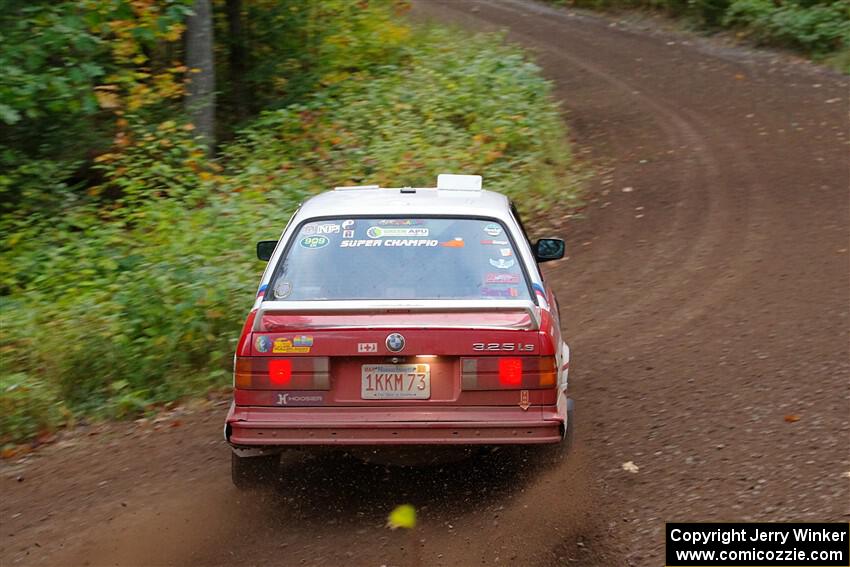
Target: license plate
point(395, 382)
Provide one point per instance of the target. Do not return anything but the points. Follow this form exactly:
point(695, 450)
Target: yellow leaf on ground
point(403, 516)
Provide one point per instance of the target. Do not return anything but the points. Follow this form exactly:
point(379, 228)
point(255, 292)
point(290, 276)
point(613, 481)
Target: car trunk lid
point(347, 358)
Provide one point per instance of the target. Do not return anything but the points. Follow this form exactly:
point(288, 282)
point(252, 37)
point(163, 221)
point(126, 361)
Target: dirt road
point(705, 298)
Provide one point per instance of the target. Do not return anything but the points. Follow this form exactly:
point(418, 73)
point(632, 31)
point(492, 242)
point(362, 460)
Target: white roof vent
point(454, 182)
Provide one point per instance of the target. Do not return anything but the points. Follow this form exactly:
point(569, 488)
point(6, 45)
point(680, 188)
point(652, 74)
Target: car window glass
point(399, 258)
point(518, 219)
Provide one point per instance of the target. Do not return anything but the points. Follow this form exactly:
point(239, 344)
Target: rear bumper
point(256, 426)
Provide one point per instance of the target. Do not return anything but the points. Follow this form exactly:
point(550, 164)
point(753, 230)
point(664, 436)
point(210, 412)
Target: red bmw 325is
point(411, 316)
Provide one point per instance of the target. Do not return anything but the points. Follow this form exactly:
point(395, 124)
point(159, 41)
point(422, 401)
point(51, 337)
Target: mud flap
point(568, 428)
point(256, 451)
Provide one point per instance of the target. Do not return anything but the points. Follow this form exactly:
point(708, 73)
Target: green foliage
point(55, 75)
point(135, 294)
point(29, 406)
point(405, 124)
point(295, 47)
point(710, 12)
point(839, 60)
point(816, 27)
point(67, 68)
point(32, 183)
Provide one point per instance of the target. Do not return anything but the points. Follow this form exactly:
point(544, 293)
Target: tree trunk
point(200, 95)
point(237, 59)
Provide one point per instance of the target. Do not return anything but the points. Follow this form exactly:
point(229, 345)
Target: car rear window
point(399, 258)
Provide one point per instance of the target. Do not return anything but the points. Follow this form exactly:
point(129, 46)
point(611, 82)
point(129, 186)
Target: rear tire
point(253, 472)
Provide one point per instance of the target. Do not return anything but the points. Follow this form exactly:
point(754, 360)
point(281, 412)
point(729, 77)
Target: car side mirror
point(548, 249)
point(265, 248)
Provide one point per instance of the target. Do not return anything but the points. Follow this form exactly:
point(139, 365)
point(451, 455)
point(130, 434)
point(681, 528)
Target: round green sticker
point(314, 241)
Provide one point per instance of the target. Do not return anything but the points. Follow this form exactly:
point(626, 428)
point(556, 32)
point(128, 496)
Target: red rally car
point(411, 316)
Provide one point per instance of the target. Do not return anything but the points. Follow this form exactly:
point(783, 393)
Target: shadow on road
point(351, 488)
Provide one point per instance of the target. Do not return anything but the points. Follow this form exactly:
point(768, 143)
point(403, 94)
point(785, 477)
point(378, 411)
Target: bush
point(68, 68)
point(119, 304)
point(294, 47)
point(820, 28)
point(29, 406)
point(408, 123)
point(817, 29)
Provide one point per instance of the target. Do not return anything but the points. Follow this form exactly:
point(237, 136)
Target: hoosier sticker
point(300, 398)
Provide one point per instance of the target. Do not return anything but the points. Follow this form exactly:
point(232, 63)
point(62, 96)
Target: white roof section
point(405, 201)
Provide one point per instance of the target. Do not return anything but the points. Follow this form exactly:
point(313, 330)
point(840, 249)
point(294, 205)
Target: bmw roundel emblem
point(395, 342)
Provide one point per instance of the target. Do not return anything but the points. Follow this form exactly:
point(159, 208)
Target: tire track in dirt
point(686, 322)
point(702, 204)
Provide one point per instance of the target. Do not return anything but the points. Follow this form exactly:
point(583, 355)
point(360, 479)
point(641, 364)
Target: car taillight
point(280, 372)
point(509, 373)
point(275, 373)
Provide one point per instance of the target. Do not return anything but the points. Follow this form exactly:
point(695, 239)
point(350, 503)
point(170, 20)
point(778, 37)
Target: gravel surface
point(705, 298)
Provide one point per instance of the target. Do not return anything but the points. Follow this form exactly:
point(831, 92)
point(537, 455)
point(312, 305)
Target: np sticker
point(321, 229)
point(367, 347)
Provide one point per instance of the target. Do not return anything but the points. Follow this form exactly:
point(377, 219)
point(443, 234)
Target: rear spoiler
point(395, 306)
